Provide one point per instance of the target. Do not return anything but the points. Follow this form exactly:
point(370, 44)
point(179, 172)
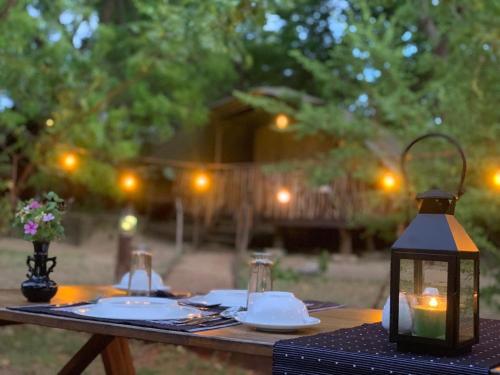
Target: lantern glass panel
point(429, 303)
point(406, 276)
point(467, 300)
point(435, 275)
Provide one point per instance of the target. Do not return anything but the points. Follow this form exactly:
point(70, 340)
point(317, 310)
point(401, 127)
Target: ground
point(33, 350)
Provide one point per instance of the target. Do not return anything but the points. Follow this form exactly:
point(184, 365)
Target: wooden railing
point(231, 188)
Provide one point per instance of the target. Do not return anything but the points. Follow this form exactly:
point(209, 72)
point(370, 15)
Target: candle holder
point(436, 264)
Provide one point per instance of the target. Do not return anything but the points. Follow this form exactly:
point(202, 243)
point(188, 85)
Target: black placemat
point(366, 350)
point(215, 322)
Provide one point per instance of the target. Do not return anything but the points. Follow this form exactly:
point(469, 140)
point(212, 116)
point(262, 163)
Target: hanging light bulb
point(129, 182)
point(69, 161)
point(283, 196)
point(282, 122)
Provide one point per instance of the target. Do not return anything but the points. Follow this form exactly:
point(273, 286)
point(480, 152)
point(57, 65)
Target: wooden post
point(123, 254)
point(370, 243)
point(196, 225)
point(179, 226)
point(345, 241)
point(243, 228)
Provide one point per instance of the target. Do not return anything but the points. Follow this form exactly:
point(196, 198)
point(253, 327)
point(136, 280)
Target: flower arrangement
point(40, 219)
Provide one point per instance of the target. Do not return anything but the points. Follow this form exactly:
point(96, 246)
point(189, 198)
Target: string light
point(282, 121)
point(50, 122)
point(69, 161)
point(128, 223)
point(129, 182)
point(283, 196)
point(201, 182)
point(496, 179)
point(389, 181)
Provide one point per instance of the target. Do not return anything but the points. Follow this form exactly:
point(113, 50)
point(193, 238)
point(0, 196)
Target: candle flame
point(433, 302)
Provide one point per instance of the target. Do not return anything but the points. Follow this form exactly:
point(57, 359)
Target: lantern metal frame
point(451, 344)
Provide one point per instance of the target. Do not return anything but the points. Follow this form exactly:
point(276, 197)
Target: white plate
point(133, 300)
point(137, 311)
point(274, 327)
point(222, 297)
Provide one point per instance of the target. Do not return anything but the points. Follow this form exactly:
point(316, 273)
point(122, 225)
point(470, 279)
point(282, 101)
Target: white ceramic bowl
point(140, 282)
point(276, 308)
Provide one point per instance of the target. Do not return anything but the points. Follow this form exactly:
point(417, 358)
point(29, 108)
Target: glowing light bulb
point(201, 182)
point(496, 179)
point(283, 196)
point(128, 223)
point(129, 182)
point(69, 161)
point(50, 122)
point(389, 181)
point(282, 121)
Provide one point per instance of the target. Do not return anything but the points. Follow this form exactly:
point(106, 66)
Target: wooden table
point(110, 340)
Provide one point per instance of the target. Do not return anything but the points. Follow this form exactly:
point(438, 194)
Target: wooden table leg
point(117, 359)
point(114, 351)
point(92, 348)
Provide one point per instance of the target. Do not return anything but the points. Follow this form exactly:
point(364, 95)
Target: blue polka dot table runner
point(366, 350)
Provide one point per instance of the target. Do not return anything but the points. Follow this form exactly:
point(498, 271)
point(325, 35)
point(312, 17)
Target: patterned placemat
point(366, 350)
point(213, 319)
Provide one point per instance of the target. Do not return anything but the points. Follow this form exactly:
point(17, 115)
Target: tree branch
point(5, 11)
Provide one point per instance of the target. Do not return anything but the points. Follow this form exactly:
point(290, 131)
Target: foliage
point(279, 273)
point(105, 80)
point(324, 261)
point(40, 220)
point(406, 68)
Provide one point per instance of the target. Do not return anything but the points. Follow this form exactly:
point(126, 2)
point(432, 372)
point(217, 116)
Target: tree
point(410, 68)
point(103, 78)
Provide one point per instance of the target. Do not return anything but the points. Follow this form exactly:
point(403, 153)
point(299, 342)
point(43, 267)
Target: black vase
point(39, 287)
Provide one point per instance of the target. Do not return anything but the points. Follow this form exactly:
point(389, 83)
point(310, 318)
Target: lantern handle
point(450, 139)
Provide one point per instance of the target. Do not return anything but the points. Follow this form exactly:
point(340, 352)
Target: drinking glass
point(261, 279)
point(140, 273)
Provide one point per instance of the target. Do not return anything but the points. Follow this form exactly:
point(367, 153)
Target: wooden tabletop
point(239, 339)
point(233, 339)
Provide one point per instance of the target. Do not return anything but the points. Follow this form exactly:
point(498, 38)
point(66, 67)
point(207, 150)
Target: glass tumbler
point(139, 281)
point(261, 279)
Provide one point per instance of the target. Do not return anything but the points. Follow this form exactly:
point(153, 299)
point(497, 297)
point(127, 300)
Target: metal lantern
point(435, 276)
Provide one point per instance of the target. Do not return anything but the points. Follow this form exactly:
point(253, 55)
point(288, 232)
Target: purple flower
point(30, 228)
point(34, 205)
point(47, 217)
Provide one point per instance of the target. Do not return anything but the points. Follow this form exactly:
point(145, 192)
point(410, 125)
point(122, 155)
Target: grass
point(30, 350)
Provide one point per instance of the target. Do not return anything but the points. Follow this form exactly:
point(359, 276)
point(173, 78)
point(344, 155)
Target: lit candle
point(429, 319)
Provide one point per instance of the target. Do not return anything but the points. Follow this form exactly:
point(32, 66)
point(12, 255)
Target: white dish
point(276, 327)
point(222, 297)
point(133, 300)
point(276, 307)
point(138, 311)
point(140, 282)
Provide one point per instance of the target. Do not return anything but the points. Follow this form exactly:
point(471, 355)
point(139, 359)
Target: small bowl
point(140, 281)
point(276, 307)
